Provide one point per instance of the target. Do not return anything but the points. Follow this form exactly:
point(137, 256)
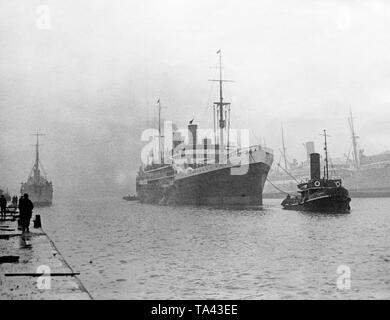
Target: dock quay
point(32, 268)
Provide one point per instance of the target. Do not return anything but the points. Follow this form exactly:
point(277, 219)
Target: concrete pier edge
point(67, 264)
point(30, 251)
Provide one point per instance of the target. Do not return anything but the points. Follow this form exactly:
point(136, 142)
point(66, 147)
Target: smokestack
point(309, 149)
point(315, 167)
point(192, 138)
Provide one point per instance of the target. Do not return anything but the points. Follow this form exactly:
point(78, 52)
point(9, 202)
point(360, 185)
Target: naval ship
point(38, 188)
point(211, 173)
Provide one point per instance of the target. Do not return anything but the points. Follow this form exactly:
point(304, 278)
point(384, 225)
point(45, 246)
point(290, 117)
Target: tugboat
point(319, 194)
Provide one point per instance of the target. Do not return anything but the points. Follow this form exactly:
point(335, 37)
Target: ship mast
point(354, 141)
point(220, 110)
point(36, 171)
point(326, 173)
point(221, 104)
point(160, 152)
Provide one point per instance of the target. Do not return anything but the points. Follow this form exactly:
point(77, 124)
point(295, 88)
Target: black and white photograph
point(182, 150)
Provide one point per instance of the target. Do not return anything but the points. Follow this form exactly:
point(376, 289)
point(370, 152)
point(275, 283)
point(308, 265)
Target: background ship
point(39, 189)
point(363, 176)
point(205, 173)
point(6, 194)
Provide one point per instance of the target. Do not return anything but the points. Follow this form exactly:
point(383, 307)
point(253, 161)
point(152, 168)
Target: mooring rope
point(270, 180)
point(288, 173)
point(277, 188)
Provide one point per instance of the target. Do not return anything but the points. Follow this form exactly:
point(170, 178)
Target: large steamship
point(212, 172)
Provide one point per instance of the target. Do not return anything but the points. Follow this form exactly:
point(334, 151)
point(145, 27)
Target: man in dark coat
point(3, 206)
point(25, 210)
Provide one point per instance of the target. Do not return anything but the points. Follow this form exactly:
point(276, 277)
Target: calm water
point(125, 250)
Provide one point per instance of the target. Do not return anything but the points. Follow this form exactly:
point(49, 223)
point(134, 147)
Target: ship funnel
point(315, 167)
point(192, 134)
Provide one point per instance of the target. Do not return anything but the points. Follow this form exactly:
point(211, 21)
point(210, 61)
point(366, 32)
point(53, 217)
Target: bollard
point(37, 221)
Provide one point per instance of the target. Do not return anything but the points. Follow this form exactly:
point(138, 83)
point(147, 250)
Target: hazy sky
point(90, 82)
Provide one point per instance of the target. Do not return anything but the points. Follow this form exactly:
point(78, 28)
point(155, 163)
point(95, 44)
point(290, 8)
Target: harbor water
point(128, 250)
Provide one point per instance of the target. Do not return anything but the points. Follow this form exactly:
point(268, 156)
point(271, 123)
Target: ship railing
point(239, 151)
point(224, 159)
point(315, 188)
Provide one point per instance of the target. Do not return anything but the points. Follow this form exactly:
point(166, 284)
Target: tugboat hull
point(330, 201)
point(328, 205)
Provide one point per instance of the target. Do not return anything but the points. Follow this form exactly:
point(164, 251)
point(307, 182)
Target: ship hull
point(221, 188)
point(216, 188)
point(369, 182)
point(215, 185)
point(328, 205)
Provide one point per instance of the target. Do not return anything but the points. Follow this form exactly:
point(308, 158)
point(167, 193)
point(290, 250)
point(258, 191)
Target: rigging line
point(255, 136)
point(280, 159)
point(270, 180)
point(349, 153)
point(208, 101)
point(43, 169)
point(277, 188)
point(288, 173)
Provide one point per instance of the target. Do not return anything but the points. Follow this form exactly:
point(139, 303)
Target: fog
point(90, 78)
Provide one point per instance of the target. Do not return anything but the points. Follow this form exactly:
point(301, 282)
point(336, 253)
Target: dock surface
point(32, 268)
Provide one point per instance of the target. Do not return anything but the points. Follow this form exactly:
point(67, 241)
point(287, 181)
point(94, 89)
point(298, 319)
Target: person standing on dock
point(3, 206)
point(25, 209)
point(15, 201)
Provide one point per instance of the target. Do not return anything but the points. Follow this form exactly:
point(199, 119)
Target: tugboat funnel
point(315, 167)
